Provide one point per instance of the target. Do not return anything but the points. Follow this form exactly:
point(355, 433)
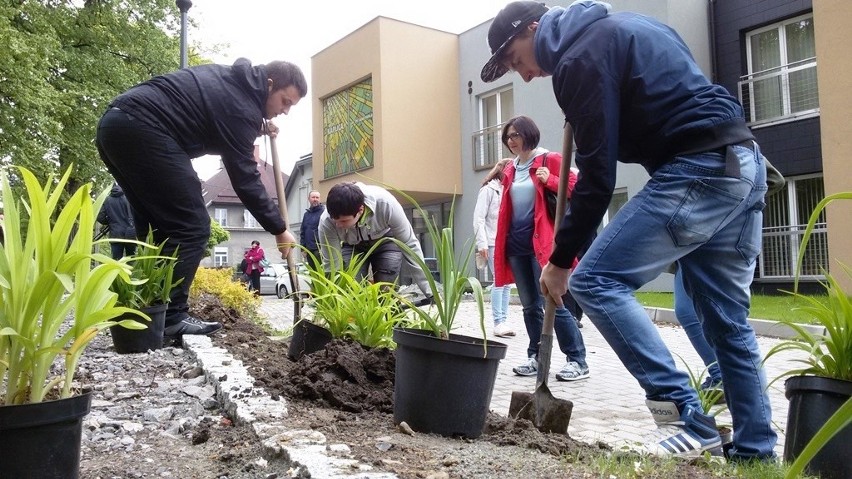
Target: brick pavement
point(609, 406)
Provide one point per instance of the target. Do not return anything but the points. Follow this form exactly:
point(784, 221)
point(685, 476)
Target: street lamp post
point(183, 5)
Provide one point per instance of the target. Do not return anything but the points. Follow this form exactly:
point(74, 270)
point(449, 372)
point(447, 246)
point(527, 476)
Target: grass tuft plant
point(453, 269)
point(54, 291)
point(352, 308)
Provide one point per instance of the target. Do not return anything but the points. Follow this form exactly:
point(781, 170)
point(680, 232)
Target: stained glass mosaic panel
point(347, 121)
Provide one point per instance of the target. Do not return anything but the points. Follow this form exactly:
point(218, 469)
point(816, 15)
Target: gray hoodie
point(383, 216)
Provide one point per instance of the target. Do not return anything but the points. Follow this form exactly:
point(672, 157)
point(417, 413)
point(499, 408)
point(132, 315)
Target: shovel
point(546, 412)
point(282, 208)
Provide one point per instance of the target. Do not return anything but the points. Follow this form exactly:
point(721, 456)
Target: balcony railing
point(780, 252)
point(780, 94)
point(488, 147)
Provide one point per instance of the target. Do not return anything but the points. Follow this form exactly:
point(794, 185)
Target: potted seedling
point(148, 293)
point(346, 306)
point(818, 422)
point(54, 299)
point(433, 362)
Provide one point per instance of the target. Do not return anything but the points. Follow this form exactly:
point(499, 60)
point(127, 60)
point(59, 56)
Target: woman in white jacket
point(485, 229)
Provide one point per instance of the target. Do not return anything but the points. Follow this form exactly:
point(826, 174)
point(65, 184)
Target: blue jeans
point(527, 273)
point(689, 212)
point(688, 318)
point(499, 295)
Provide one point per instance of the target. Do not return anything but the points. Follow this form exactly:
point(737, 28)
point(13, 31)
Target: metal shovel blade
point(548, 413)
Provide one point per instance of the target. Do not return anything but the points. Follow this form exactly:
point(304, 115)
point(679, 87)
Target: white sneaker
point(573, 372)
point(503, 331)
point(529, 368)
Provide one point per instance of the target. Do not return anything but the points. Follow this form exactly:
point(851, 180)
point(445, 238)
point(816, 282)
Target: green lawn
point(762, 306)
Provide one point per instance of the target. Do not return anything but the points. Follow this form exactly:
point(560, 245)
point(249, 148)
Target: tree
point(218, 235)
point(63, 64)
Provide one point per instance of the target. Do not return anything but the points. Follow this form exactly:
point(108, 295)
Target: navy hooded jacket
point(632, 92)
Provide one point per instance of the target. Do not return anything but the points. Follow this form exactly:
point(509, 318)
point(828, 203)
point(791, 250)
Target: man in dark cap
point(632, 92)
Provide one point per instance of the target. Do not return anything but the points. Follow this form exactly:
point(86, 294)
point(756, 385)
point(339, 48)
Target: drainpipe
point(712, 19)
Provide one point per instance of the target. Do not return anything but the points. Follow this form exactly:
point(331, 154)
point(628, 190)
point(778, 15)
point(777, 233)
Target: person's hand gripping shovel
point(547, 413)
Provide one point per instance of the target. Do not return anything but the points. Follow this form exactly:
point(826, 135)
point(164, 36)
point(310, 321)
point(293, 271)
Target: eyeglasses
point(513, 136)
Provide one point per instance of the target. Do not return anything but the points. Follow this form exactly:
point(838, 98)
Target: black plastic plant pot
point(813, 400)
point(307, 338)
point(444, 386)
point(128, 341)
point(43, 439)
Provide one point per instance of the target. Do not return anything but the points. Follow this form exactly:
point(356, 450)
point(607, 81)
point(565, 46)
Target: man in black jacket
point(310, 225)
point(150, 133)
point(117, 215)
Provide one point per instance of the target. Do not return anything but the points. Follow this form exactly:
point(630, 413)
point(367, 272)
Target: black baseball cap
point(510, 21)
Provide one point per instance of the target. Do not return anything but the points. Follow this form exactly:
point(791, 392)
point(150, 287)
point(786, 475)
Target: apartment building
point(399, 104)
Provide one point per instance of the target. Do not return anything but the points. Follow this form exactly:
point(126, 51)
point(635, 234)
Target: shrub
point(232, 294)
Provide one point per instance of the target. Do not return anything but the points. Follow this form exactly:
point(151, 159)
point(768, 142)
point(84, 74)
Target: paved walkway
point(609, 406)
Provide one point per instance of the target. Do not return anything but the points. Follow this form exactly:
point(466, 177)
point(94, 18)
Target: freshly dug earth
point(346, 392)
point(154, 415)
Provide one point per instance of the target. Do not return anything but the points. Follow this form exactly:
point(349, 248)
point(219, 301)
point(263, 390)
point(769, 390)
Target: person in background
point(149, 135)
point(632, 92)
point(308, 231)
point(485, 231)
point(117, 215)
point(687, 317)
point(254, 256)
point(524, 241)
point(356, 217)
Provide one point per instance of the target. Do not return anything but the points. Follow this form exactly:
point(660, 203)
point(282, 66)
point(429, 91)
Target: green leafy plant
point(152, 278)
point(353, 308)
point(830, 354)
point(712, 399)
point(48, 272)
point(453, 269)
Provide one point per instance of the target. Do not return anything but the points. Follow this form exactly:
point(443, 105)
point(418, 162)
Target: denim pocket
point(704, 208)
point(751, 236)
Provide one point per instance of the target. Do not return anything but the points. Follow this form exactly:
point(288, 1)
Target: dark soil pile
point(346, 392)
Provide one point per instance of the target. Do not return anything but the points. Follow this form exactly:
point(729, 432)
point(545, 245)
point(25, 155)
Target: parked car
point(277, 277)
point(275, 280)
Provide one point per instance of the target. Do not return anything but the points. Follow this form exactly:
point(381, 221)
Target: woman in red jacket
point(525, 239)
point(253, 258)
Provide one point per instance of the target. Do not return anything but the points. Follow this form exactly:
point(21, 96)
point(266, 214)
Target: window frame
point(220, 214)
point(783, 70)
point(480, 154)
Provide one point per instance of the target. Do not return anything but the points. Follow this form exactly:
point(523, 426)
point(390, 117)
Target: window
point(494, 110)
point(220, 256)
point(221, 216)
point(784, 220)
point(249, 221)
point(782, 77)
point(304, 190)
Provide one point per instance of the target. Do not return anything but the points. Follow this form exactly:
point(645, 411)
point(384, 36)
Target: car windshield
point(280, 268)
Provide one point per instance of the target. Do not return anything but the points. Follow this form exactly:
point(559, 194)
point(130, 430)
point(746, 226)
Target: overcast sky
point(266, 30)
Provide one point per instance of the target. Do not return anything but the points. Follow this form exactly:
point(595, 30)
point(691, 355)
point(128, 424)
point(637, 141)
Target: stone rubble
point(172, 391)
